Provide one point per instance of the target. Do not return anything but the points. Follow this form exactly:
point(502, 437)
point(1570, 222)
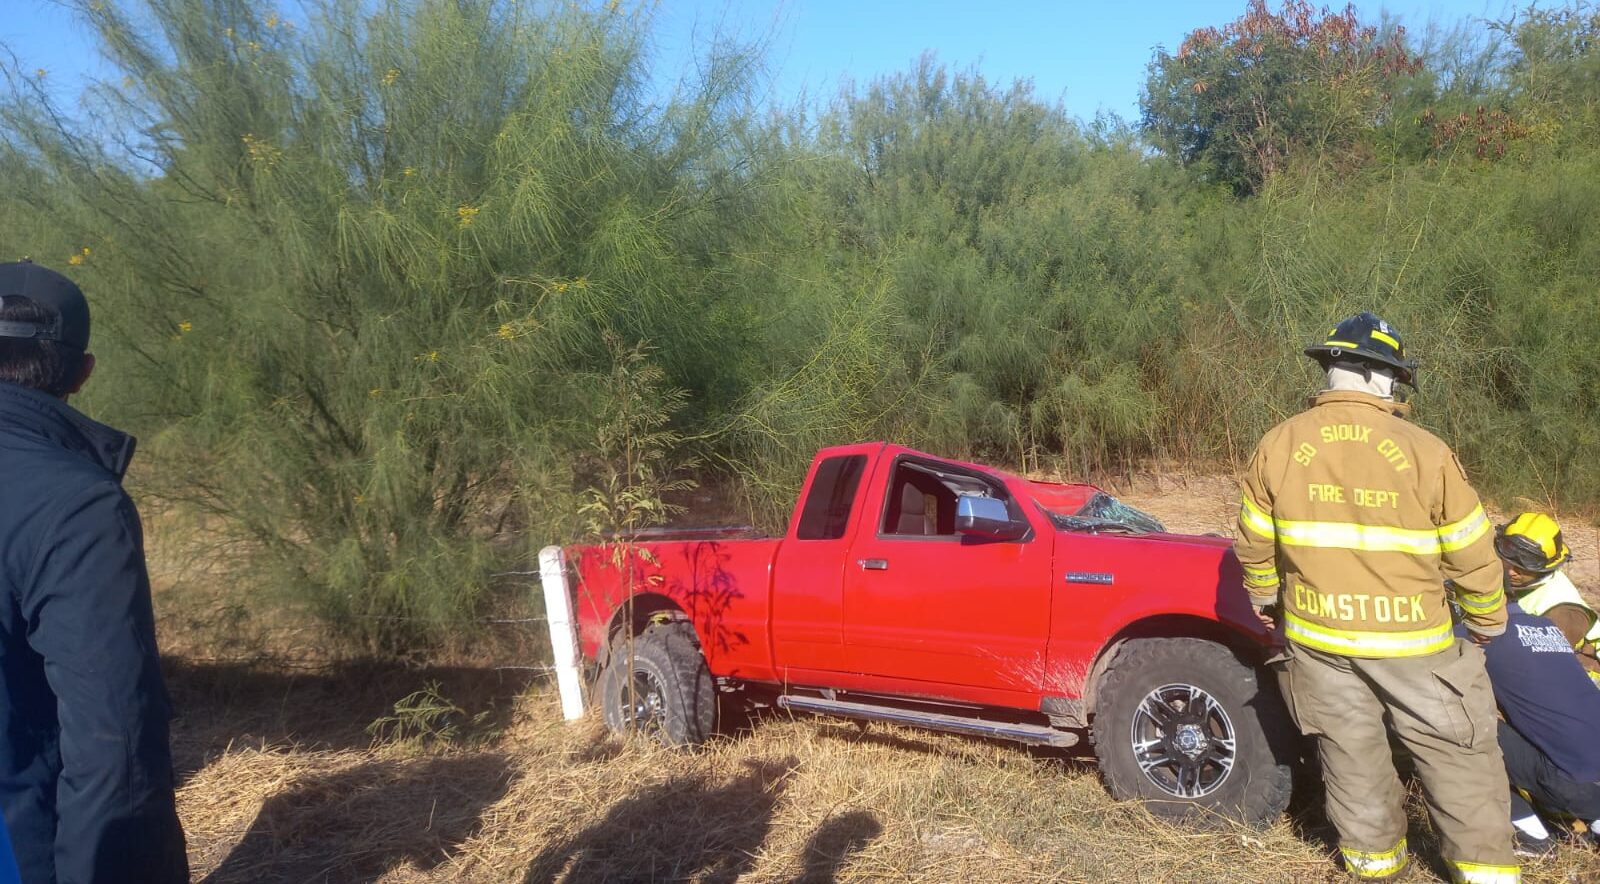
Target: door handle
point(874, 564)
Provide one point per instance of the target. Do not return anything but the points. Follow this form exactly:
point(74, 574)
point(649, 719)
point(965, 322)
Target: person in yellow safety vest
point(1533, 550)
point(1350, 518)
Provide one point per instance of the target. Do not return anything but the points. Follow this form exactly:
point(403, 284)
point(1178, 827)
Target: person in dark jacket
point(1552, 715)
point(86, 779)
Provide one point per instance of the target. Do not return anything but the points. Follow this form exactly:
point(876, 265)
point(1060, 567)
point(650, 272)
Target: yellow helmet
point(1532, 542)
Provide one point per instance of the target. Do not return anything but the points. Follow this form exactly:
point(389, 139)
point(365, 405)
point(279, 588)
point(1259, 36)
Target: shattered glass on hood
point(1103, 513)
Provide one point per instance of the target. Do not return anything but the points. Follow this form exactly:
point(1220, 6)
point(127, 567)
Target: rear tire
point(1189, 728)
point(658, 685)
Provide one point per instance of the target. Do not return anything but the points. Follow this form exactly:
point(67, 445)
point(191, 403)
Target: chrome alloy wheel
point(644, 702)
point(1183, 740)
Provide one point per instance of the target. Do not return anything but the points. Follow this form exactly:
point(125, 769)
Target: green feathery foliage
point(363, 272)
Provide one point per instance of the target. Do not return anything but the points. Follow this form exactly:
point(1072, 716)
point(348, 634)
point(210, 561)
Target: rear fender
point(724, 588)
point(633, 616)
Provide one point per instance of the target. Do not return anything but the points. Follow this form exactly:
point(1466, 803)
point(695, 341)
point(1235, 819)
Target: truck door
point(924, 603)
point(808, 583)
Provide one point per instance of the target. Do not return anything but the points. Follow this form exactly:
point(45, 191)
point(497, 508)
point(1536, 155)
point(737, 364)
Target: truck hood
point(1214, 541)
point(1207, 541)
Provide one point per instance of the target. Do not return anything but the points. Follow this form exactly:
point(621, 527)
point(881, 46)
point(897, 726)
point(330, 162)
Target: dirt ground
point(281, 780)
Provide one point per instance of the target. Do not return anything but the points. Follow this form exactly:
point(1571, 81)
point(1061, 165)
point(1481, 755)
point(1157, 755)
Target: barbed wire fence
point(315, 663)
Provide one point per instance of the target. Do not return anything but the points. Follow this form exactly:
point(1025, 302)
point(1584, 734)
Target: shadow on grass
point(833, 843)
point(328, 707)
point(358, 824)
point(686, 828)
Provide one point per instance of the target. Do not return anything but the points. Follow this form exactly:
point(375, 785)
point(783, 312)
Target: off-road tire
point(669, 675)
point(1256, 787)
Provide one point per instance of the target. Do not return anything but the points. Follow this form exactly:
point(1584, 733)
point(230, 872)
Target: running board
point(1032, 734)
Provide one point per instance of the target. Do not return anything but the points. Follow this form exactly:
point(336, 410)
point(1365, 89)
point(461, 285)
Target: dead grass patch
point(793, 800)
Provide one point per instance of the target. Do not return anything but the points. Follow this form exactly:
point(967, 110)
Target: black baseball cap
point(50, 290)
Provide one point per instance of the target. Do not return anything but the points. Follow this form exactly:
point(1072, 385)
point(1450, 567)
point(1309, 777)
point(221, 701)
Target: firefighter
point(1350, 518)
point(1533, 550)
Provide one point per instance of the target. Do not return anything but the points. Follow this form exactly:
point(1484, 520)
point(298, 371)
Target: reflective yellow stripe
point(1381, 538)
point(1256, 519)
point(1341, 344)
point(1475, 604)
point(1479, 597)
point(1375, 865)
point(1480, 610)
point(1352, 535)
point(1481, 873)
point(1462, 534)
point(1385, 338)
point(1355, 643)
point(1262, 577)
point(1394, 852)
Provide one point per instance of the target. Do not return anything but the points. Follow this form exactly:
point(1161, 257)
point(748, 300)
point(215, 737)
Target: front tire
point(1189, 728)
point(658, 685)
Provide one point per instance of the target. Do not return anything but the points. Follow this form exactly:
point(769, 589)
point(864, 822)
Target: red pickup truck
point(947, 595)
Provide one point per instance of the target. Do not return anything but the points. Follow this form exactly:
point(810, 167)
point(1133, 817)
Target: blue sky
point(1091, 55)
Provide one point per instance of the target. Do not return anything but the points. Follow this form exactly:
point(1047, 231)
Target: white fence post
point(563, 632)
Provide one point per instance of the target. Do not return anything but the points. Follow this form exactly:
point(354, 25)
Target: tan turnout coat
point(1353, 518)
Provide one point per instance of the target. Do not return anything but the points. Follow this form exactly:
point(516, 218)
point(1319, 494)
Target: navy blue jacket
point(1545, 694)
point(8, 863)
point(86, 779)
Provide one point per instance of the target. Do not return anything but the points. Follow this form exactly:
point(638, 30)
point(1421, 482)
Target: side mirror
point(987, 518)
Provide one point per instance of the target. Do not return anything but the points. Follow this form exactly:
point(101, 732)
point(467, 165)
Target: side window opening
point(922, 500)
point(913, 509)
point(833, 493)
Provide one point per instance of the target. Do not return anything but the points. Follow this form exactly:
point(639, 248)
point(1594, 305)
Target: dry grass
point(789, 800)
point(281, 782)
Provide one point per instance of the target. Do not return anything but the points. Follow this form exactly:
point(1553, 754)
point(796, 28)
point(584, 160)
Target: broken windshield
point(1104, 513)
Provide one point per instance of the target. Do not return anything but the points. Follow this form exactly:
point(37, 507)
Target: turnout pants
point(1442, 710)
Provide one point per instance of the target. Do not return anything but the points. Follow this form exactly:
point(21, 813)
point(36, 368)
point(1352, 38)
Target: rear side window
point(833, 491)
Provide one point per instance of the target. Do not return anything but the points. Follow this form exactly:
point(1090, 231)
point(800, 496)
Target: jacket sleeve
point(90, 619)
point(1572, 620)
point(1255, 538)
point(1467, 556)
